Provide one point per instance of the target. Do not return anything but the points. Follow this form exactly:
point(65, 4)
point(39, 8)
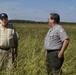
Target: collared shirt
point(55, 37)
point(6, 34)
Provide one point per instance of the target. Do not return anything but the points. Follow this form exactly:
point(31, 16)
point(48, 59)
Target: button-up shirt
point(7, 33)
point(55, 37)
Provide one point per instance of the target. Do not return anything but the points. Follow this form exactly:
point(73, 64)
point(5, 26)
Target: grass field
point(31, 53)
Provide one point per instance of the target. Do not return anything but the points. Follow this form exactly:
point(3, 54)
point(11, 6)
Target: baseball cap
point(3, 15)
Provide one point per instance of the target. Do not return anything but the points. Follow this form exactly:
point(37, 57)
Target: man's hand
point(64, 46)
point(60, 54)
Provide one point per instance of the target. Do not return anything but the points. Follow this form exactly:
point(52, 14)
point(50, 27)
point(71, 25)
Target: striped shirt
point(7, 33)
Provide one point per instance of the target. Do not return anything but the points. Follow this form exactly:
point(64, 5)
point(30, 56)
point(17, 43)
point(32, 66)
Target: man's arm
point(16, 49)
point(64, 46)
point(16, 37)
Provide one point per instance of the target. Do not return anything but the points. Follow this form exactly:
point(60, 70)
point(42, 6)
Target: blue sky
point(39, 10)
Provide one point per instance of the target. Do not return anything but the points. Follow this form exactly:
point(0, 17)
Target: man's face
point(4, 21)
point(50, 20)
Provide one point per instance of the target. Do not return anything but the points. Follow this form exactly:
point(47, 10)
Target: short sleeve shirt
point(55, 37)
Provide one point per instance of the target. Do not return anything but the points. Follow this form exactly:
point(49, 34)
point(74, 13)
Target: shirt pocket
point(56, 36)
point(51, 36)
point(9, 33)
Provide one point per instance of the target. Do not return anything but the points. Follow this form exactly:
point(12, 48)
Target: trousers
point(5, 59)
point(53, 63)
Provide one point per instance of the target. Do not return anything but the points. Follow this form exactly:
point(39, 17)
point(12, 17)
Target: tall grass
point(69, 66)
point(31, 53)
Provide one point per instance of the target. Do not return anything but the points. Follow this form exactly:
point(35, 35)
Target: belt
point(53, 50)
point(4, 48)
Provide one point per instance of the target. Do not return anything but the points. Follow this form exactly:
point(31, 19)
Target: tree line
point(27, 21)
point(37, 22)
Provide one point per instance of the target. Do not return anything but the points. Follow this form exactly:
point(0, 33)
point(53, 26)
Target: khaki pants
point(5, 59)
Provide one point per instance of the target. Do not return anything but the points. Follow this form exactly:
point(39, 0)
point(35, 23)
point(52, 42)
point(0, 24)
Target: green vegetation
point(37, 22)
point(31, 53)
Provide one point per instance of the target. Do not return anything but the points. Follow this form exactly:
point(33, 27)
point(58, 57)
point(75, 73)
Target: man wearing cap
point(8, 41)
point(55, 43)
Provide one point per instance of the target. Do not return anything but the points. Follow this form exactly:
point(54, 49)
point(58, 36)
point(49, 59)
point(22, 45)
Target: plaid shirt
point(7, 33)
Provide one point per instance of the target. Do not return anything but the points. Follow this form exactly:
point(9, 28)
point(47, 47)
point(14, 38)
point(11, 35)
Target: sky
point(39, 10)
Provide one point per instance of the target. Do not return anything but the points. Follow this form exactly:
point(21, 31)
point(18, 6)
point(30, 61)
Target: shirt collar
point(55, 26)
point(2, 26)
